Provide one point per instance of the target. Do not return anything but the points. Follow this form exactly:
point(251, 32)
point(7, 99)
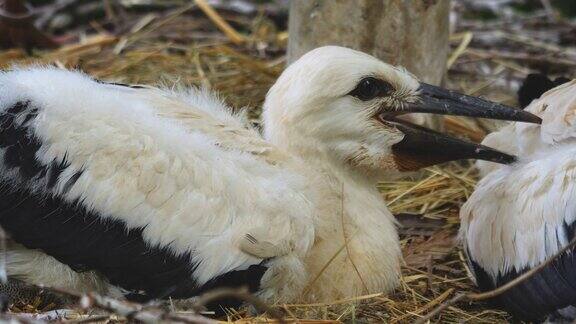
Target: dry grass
point(435, 269)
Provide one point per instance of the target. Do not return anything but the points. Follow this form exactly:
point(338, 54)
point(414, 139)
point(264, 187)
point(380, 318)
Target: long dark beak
point(436, 100)
point(422, 147)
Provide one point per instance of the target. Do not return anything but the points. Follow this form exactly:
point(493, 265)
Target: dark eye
point(370, 88)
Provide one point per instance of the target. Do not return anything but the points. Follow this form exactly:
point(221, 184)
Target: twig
point(548, 46)
point(146, 314)
point(431, 304)
point(498, 291)
point(90, 319)
point(466, 38)
point(128, 309)
point(140, 33)
point(440, 308)
point(230, 32)
point(524, 58)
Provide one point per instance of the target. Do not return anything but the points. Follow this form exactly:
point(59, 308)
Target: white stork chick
point(522, 214)
point(162, 194)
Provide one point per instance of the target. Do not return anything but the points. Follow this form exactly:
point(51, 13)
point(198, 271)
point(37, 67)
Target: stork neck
point(321, 159)
point(324, 151)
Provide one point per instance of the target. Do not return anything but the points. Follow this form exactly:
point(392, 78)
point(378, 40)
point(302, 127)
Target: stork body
point(124, 179)
point(521, 215)
point(149, 193)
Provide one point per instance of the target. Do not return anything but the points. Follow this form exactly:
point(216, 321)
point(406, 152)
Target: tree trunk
point(410, 33)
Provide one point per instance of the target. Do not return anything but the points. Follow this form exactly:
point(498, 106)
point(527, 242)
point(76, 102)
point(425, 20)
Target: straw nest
point(170, 50)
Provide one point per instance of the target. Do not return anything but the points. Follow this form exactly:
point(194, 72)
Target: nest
point(174, 50)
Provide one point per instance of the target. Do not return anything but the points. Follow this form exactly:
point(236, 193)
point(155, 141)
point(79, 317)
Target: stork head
point(342, 105)
point(557, 108)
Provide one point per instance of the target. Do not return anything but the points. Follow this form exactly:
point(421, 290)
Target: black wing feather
point(82, 238)
point(551, 289)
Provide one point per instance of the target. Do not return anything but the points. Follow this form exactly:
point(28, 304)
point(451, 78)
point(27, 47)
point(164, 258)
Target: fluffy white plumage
point(521, 214)
point(523, 205)
point(199, 179)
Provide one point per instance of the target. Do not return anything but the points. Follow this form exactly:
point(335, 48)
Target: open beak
point(422, 147)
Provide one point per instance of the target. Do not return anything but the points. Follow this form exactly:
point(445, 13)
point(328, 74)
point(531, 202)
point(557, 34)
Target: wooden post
point(410, 33)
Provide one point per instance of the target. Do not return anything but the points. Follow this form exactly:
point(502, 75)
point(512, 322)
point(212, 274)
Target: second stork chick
point(521, 215)
point(155, 194)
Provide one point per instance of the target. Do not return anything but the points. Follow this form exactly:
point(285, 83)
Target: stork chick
point(521, 215)
point(150, 193)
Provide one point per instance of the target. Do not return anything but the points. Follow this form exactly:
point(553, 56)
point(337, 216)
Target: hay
point(175, 50)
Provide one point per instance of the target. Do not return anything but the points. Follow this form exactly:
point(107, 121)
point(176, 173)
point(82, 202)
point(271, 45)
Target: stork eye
point(370, 88)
